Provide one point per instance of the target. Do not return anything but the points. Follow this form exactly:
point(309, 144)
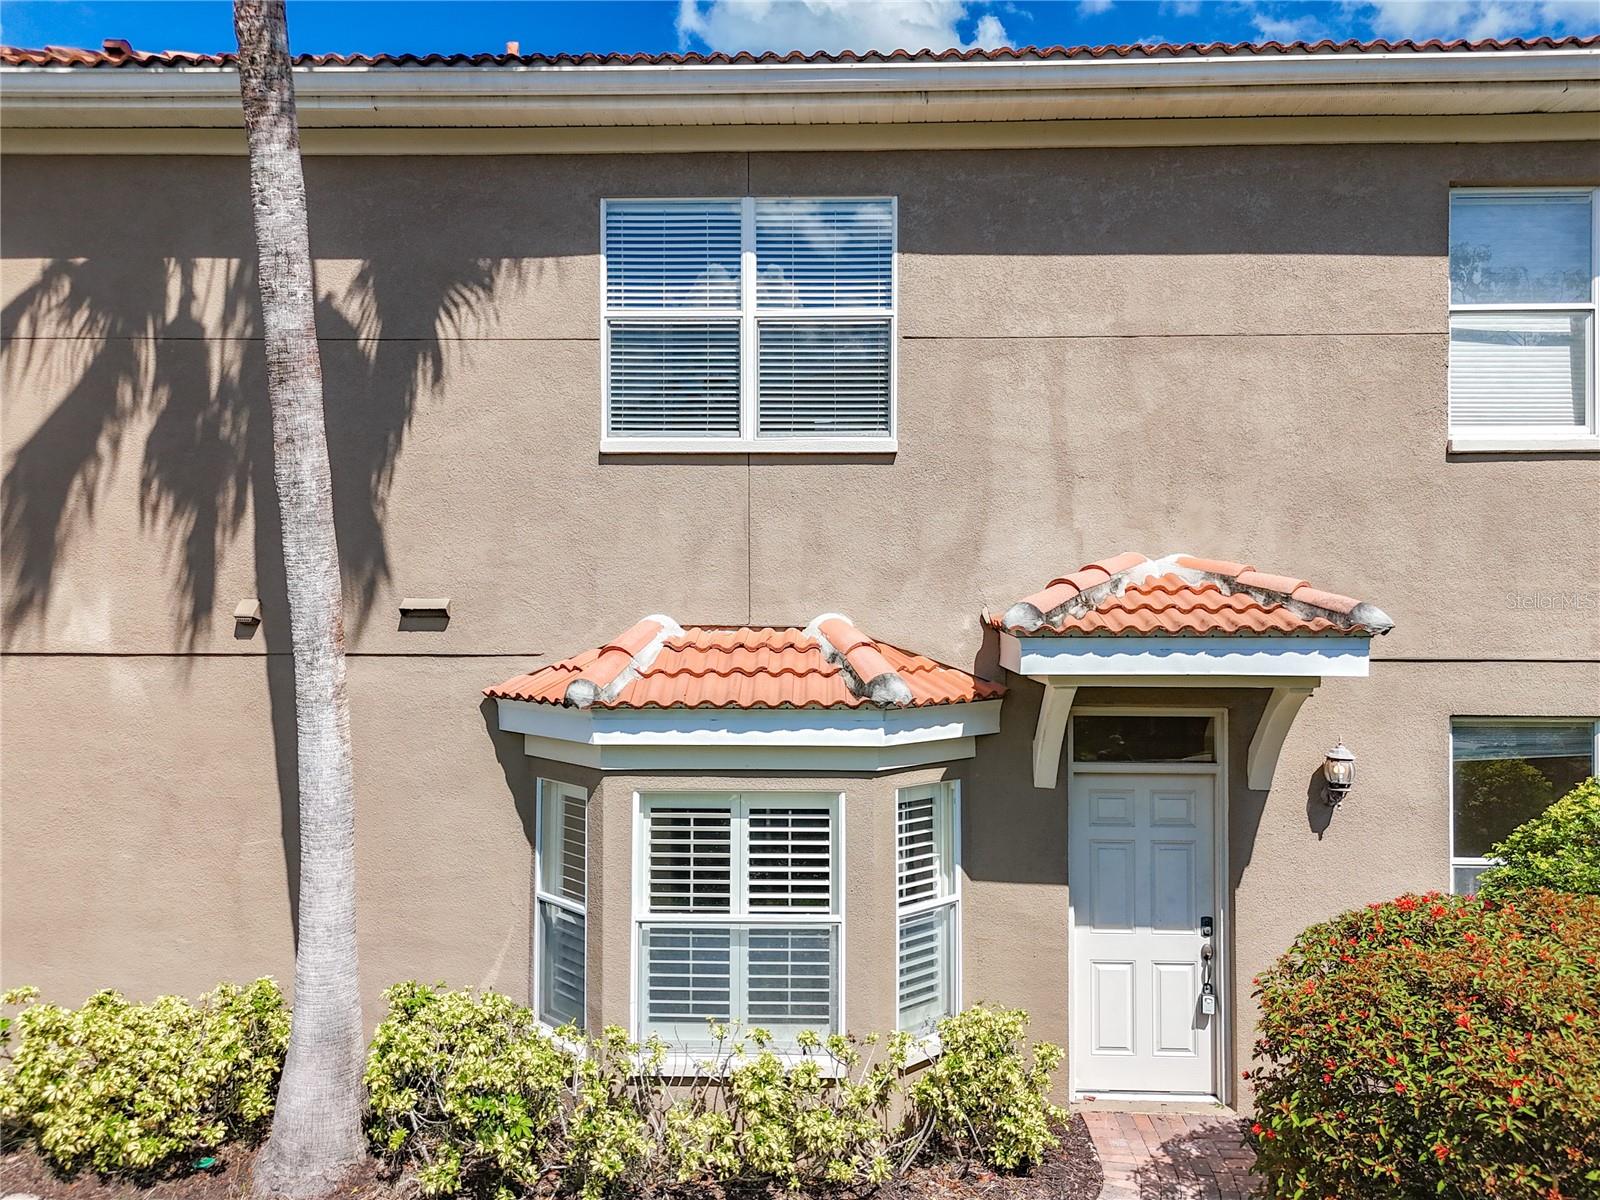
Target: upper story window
point(749, 324)
point(1523, 268)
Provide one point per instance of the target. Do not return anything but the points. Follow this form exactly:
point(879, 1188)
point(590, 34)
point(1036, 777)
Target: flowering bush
point(982, 1097)
point(1559, 849)
point(136, 1088)
point(1434, 1046)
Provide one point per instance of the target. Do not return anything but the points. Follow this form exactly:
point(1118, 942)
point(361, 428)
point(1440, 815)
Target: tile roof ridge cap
point(585, 693)
point(1313, 604)
point(866, 671)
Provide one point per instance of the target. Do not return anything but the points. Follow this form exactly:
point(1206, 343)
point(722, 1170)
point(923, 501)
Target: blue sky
point(657, 25)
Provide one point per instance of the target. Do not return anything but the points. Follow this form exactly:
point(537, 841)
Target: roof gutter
point(1535, 80)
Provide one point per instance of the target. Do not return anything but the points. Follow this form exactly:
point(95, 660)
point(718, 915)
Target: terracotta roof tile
point(1185, 595)
point(117, 53)
point(710, 666)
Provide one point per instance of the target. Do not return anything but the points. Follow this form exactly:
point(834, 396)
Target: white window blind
point(561, 896)
point(1523, 268)
point(673, 379)
point(927, 902)
point(754, 323)
point(673, 254)
point(824, 253)
point(822, 379)
point(739, 916)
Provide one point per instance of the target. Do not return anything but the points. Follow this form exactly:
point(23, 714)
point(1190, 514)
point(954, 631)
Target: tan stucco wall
point(1235, 351)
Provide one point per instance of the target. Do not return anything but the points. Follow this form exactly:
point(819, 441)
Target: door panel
point(1141, 853)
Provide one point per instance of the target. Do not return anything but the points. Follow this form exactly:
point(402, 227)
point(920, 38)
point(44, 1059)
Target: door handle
point(1205, 953)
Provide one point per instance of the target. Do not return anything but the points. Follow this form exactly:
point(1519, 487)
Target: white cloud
point(810, 25)
point(1475, 19)
point(1285, 23)
point(1090, 8)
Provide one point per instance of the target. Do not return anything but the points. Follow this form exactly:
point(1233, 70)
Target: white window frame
point(738, 913)
point(1454, 859)
point(749, 317)
point(546, 791)
point(947, 805)
point(1535, 438)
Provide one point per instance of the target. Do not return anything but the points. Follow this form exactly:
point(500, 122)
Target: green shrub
point(1434, 1046)
point(469, 1088)
point(1559, 849)
point(824, 1120)
point(982, 1097)
point(138, 1088)
point(467, 1085)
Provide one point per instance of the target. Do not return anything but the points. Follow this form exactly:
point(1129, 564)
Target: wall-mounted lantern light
point(1339, 773)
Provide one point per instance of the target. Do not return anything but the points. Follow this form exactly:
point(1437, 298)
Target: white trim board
point(1154, 660)
point(860, 739)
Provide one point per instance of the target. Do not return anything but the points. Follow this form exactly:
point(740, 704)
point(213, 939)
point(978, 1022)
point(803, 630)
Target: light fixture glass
point(1339, 772)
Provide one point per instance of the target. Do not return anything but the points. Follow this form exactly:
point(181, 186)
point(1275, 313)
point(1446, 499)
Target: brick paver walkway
point(1171, 1156)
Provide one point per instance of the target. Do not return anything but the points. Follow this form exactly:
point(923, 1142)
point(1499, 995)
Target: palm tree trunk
point(316, 1131)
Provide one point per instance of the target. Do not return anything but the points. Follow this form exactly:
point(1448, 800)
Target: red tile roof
point(1180, 594)
point(118, 53)
point(828, 664)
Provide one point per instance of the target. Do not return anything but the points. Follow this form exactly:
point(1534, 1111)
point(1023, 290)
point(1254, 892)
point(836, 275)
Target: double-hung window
point(560, 889)
point(1503, 773)
point(1523, 284)
point(749, 324)
point(738, 914)
point(926, 905)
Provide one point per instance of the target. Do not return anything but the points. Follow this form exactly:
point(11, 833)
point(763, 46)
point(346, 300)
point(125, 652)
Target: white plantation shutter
point(823, 379)
point(574, 848)
point(688, 972)
point(673, 253)
point(824, 253)
point(744, 320)
point(926, 898)
point(715, 872)
point(691, 860)
point(918, 876)
point(1519, 368)
point(561, 893)
point(925, 955)
point(561, 951)
point(1523, 271)
point(789, 976)
point(790, 858)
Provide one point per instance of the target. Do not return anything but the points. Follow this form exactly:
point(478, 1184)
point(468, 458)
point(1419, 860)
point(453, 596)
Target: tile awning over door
point(1182, 620)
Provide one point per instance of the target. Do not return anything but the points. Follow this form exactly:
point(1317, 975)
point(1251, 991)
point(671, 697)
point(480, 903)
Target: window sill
point(821, 445)
point(1512, 444)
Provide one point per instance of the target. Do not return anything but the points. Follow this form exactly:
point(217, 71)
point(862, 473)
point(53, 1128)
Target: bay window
point(1503, 773)
point(926, 905)
point(738, 914)
point(749, 323)
point(1523, 283)
point(560, 887)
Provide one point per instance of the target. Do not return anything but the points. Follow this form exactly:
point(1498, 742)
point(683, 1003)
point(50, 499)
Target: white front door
point(1140, 867)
